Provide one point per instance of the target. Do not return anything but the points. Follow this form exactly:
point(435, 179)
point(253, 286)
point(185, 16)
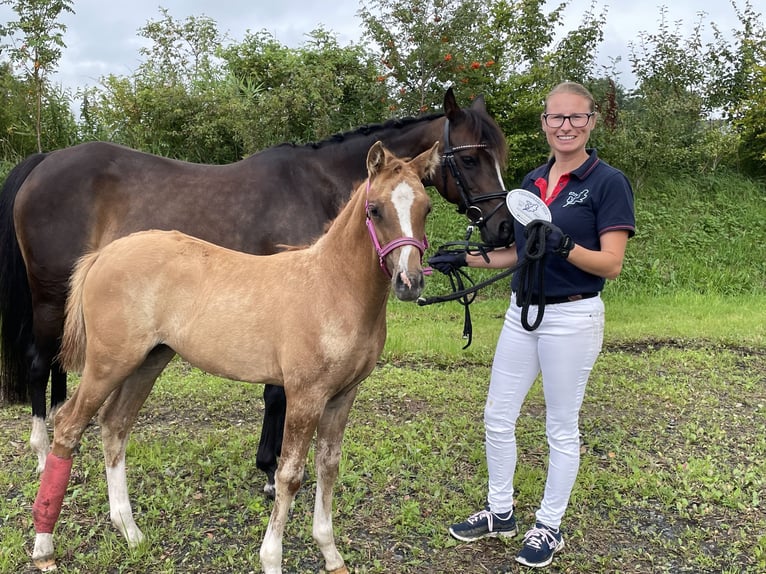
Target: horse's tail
point(15, 296)
point(73, 341)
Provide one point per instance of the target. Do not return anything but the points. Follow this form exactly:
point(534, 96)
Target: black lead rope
point(531, 270)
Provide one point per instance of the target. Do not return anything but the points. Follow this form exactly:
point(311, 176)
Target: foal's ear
point(376, 158)
point(426, 163)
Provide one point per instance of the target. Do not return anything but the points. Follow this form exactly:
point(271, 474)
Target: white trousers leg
point(563, 348)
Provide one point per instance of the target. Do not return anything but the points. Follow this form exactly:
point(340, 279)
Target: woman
point(592, 218)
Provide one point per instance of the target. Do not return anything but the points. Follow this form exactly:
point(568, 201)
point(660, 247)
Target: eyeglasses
point(575, 120)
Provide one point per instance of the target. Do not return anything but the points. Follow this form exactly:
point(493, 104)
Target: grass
point(672, 477)
point(673, 472)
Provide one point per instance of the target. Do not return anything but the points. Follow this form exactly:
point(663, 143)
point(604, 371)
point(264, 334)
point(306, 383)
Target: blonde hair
point(572, 88)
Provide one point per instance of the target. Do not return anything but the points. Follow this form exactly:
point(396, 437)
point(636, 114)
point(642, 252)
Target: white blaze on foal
point(403, 197)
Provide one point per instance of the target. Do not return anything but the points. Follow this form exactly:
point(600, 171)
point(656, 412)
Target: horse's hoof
point(341, 570)
point(46, 564)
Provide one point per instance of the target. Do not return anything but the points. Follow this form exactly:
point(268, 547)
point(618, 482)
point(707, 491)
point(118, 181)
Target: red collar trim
point(542, 184)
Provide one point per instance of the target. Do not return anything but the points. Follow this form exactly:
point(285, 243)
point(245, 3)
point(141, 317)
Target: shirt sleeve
point(616, 210)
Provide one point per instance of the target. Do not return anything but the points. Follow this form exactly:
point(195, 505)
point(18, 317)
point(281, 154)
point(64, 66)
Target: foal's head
point(397, 206)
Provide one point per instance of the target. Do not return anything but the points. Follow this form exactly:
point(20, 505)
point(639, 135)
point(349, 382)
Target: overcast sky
point(102, 38)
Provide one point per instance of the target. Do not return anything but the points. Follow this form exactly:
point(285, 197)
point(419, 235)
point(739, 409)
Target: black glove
point(447, 261)
point(556, 241)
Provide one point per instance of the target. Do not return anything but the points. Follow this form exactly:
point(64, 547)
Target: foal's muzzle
point(408, 285)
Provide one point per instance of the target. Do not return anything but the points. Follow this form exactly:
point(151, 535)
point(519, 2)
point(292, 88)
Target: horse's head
point(474, 155)
point(397, 206)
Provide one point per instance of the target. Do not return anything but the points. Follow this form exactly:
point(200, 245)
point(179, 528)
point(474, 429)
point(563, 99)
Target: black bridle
point(531, 270)
point(467, 205)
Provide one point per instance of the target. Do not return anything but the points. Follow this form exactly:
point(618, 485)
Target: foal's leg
point(330, 431)
point(300, 423)
point(69, 424)
point(117, 418)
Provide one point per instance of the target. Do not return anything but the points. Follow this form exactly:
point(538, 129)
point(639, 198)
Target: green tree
point(424, 46)
point(682, 116)
point(179, 103)
point(737, 83)
point(17, 132)
point(36, 44)
point(181, 51)
point(304, 94)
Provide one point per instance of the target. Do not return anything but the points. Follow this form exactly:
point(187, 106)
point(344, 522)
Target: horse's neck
point(347, 248)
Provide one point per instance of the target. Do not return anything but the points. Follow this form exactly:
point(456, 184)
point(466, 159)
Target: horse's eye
point(469, 161)
point(373, 211)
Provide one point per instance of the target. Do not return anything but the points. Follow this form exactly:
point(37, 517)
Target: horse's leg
point(58, 386)
point(301, 420)
point(69, 424)
point(330, 432)
point(270, 445)
point(116, 419)
point(40, 357)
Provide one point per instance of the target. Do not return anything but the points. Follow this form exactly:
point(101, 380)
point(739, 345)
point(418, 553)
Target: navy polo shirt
point(594, 198)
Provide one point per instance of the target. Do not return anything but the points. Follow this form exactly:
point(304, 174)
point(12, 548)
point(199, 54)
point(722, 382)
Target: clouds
point(102, 38)
point(627, 19)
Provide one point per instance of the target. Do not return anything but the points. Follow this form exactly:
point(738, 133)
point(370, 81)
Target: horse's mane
point(480, 124)
point(366, 130)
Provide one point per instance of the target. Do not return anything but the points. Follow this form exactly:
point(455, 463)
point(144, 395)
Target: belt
point(557, 300)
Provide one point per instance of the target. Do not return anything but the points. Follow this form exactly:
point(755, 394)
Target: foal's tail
point(72, 354)
point(15, 296)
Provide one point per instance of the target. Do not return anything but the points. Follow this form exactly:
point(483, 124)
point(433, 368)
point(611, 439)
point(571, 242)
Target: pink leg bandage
point(53, 485)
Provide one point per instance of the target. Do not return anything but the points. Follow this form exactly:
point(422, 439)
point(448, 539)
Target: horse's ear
point(376, 158)
point(479, 104)
point(451, 109)
point(427, 162)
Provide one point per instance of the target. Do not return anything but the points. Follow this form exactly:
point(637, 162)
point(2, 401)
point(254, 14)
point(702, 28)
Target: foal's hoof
point(42, 555)
point(46, 565)
point(341, 570)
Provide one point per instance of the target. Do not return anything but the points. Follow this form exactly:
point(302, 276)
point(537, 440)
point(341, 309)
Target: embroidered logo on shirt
point(576, 197)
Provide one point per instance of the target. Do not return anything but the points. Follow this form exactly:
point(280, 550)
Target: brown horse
point(311, 320)
point(78, 199)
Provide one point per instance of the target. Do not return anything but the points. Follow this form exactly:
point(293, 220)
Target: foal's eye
point(373, 211)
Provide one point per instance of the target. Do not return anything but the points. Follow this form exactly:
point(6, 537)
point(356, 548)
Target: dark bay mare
point(55, 207)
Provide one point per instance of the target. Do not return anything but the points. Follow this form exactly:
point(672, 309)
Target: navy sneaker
point(540, 544)
point(485, 523)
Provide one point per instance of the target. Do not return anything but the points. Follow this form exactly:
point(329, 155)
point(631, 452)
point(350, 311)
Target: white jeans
point(563, 348)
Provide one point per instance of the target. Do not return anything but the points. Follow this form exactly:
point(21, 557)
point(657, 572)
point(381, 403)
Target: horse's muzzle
point(408, 285)
point(500, 235)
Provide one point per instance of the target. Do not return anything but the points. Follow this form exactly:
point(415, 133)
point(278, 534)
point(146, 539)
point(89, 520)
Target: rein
point(531, 269)
point(421, 246)
point(466, 205)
